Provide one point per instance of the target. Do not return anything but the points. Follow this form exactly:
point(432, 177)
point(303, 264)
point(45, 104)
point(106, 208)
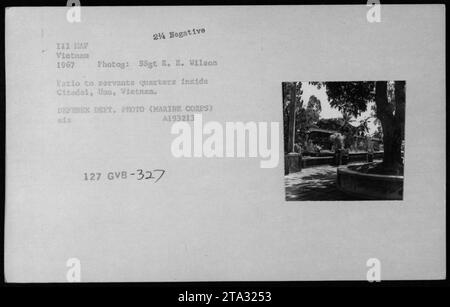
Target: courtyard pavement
point(314, 183)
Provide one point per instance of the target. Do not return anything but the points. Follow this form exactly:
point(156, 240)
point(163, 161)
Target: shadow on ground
point(315, 183)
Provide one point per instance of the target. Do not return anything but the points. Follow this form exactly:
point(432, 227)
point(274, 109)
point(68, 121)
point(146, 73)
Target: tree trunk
point(292, 118)
point(392, 120)
point(399, 120)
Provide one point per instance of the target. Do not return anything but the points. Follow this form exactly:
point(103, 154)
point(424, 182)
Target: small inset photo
point(344, 140)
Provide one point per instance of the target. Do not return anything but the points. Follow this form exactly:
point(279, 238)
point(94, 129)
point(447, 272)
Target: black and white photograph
point(344, 140)
point(235, 146)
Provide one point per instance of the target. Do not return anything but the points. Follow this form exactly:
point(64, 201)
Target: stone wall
point(369, 186)
point(294, 162)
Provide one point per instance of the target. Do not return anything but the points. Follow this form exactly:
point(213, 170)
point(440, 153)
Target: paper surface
point(199, 218)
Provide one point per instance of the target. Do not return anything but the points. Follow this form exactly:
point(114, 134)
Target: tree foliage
point(353, 98)
point(305, 117)
point(350, 97)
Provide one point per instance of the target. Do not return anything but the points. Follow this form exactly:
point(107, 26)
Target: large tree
point(353, 98)
point(392, 117)
point(292, 102)
point(313, 109)
point(297, 118)
point(307, 118)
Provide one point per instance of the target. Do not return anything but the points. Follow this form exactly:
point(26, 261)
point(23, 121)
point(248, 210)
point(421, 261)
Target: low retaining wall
point(312, 161)
point(294, 162)
point(357, 157)
point(363, 156)
point(369, 186)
